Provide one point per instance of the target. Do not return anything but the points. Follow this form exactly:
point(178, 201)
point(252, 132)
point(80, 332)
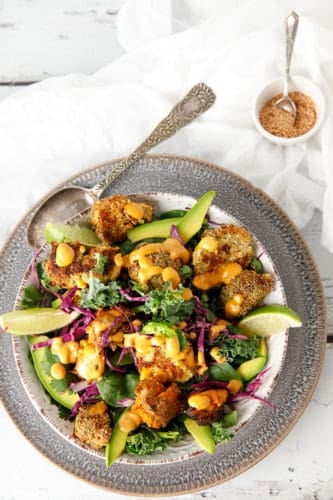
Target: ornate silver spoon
point(285, 102)
point(64, 203)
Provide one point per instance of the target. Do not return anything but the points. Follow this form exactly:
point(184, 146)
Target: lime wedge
point(62, 232)
point(35, 321)
point(269, 320)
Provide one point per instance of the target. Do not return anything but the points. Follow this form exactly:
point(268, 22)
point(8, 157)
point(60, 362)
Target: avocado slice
point(117, 443)
point(67, 398)
point(202, 435)
point(192, 221)
point(249, 369)
point(262, 348)
point(156, 229)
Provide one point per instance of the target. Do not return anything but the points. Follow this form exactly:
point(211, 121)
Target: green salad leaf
point(100, 295)
point(167, 304)
point(114, 386)
point(236, 350)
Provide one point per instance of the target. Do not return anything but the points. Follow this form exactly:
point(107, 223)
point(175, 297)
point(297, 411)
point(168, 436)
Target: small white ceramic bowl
point(301, 84)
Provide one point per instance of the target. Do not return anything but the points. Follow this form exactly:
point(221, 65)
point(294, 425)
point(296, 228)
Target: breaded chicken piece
point(155, 403)
point(251, 287)
point(227, 243)
point(159, 260)
point(85, 262)
point(92, 425)
point(109, 326)
point(112, 217)
point(154, 264)
point(207, 406)
point(160, 357)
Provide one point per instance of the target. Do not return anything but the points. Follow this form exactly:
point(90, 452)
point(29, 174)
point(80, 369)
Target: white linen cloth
point(54, 129)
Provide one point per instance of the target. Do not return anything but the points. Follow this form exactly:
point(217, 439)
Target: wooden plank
point(66, 36)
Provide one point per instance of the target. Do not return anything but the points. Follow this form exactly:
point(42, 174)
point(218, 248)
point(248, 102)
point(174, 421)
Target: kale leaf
point(100, 295)
point(236, 350)
point(144, 441)
point(220, 433)
point(147, 440)
point(167, 304)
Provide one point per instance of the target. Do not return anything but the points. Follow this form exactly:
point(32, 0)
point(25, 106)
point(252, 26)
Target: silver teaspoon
point(285, 102)
point(66, 202)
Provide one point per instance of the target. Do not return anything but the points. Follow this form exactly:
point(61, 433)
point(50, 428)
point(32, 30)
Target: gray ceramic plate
point(302, 360)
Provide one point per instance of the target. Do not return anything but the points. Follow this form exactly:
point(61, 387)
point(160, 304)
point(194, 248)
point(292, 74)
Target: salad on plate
point(145, 329)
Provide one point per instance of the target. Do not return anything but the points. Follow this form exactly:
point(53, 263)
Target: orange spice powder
point(280, 123)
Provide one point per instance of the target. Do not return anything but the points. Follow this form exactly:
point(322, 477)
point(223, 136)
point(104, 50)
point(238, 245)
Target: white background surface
point(42, 38)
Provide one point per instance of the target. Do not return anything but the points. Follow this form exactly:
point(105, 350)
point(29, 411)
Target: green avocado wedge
point(67, 398)
point(117, 443)
point(156, 229)
point(202, 435)
point(187, 226)
point(192, 221)
point(249, 369)
point(66, 232)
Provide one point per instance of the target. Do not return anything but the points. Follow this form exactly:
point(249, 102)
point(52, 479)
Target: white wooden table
point(43, 38)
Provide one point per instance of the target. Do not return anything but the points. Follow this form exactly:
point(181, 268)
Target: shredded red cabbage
point(126, 402)
point(252, 389)
point(105, 338)
point(79, 386)
point(175, 235)
point(90, 395)
point(114, 368)
point(206, 384)
point(135, 359)
point(76, 330)
point(234, 336)
point(68, 304)
point(38, 345)
point(34, 271)
point(137, 298)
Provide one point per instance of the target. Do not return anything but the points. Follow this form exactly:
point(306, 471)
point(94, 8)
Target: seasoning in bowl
point(280, 123)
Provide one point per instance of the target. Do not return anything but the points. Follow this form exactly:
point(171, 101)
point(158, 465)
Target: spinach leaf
point(31, 297)
point(114, 386)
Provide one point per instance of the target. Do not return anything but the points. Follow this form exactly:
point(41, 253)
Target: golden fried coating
point(161, 357)
point(251, 287)
point(85, 262)
point(207, 406)
point(154, 264)
point(160, 261)
point(155, 403)
point(109, 326)
point(92, 425)
point(112, 217)
point(227, 243)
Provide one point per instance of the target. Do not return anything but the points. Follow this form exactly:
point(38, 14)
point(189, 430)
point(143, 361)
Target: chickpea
point(65, 255)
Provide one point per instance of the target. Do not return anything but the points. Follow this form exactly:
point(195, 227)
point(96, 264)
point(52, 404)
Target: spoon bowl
point(63, 204)
point(60, 206)
point(287, 104)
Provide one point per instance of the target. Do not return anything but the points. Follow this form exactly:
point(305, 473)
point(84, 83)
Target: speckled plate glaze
point(299, 371)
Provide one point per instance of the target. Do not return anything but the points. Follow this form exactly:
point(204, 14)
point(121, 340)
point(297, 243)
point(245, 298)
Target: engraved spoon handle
point(291, 31)
point(197, 101)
